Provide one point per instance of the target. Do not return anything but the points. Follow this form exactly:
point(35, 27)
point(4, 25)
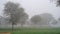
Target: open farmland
point(32, 31)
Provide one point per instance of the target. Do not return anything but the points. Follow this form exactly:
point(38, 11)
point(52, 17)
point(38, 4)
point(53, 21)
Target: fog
point(33, 7)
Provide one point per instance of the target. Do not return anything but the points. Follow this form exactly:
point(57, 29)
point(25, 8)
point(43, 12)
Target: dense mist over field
point(29, 13)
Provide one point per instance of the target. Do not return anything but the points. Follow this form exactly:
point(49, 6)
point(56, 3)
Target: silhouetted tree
point(15, 12)
point(57, 2)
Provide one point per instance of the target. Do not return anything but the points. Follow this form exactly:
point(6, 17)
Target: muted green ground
point(32, 31)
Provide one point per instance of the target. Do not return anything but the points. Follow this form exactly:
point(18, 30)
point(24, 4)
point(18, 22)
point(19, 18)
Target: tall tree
point(57, 2)
point(15, 12)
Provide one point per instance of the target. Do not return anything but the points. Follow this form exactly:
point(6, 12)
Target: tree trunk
point(21, 27)
point(12, 27)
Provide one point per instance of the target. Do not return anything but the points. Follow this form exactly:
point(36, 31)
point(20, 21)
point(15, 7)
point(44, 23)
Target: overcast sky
point(33, 7)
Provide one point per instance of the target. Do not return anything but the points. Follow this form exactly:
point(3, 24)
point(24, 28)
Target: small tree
point(15, 12)
point(35, 19)
point(23, 19)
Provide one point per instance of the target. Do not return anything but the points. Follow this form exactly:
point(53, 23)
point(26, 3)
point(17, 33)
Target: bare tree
point(15, 12)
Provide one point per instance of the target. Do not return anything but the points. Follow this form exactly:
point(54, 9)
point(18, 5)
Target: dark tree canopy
point(57, 2)
point(14, 11)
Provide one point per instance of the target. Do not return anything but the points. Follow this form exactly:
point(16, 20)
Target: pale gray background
point(33, 7)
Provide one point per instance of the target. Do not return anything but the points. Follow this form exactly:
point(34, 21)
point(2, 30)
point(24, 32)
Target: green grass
point(32, 31)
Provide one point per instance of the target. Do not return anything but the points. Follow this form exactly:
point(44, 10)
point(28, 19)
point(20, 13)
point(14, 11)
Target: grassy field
point(32, 31)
